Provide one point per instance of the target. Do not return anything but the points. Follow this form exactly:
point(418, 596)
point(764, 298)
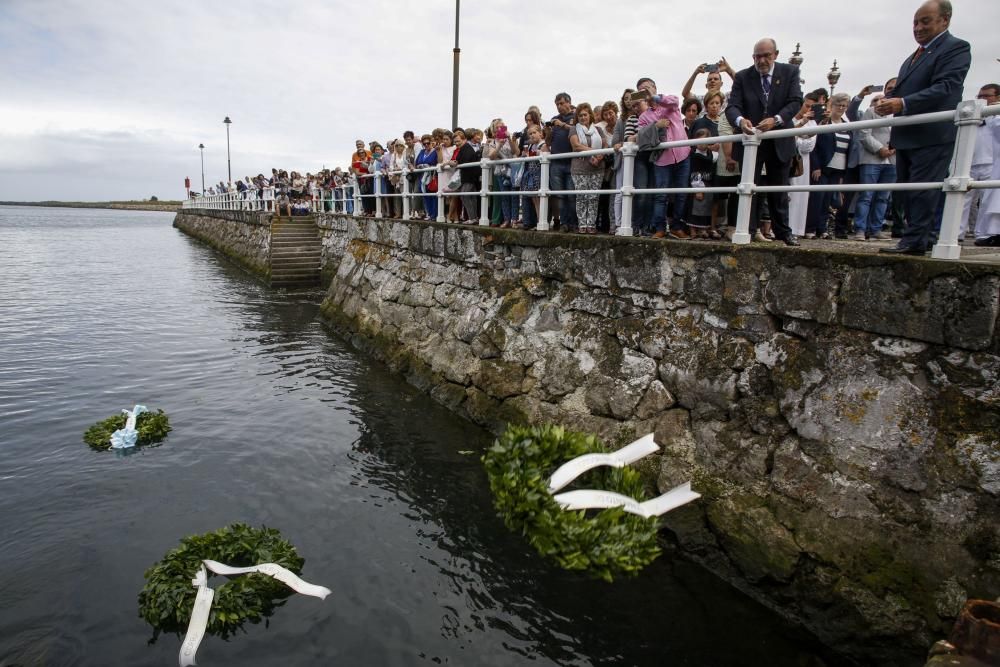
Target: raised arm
point(686, 91)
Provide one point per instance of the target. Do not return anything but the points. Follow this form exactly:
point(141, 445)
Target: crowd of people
point(762, 97)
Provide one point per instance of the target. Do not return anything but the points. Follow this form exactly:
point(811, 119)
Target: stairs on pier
point(295, 251)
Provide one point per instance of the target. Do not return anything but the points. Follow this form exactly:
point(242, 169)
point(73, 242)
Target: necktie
point(916, 55)
point(765, 83)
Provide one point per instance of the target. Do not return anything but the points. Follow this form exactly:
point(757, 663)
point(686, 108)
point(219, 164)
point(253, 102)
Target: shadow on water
point(673, 612)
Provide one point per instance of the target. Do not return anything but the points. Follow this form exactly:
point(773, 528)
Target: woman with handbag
point(428, 157)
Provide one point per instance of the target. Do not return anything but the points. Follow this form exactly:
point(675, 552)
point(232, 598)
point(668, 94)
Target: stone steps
point(296, 250)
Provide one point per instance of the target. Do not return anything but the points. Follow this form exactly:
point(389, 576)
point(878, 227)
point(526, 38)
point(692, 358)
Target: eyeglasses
point(985, 97)
point(426, 143)
point(762, 56)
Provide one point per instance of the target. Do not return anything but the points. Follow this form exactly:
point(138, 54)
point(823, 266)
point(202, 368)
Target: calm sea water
point(277, 422)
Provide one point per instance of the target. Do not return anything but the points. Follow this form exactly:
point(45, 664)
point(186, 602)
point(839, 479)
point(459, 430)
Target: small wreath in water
point(166, 600)
point(152, 427)
point(605, 544)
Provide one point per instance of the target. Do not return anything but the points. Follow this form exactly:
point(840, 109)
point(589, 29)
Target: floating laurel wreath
point(604, 544)
point(166, 600)
point(152, 427)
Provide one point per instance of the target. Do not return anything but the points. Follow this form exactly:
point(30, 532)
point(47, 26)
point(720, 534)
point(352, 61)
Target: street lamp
point(833, 76)
point(202, 147)
point(796, 60)
point(229, 164)
point(454, 79)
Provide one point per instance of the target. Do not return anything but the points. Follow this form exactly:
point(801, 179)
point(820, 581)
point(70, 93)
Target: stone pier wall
point(243, 236)
point(839, 413)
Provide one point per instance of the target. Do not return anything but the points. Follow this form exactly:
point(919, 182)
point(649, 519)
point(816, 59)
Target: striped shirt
point(843, 142)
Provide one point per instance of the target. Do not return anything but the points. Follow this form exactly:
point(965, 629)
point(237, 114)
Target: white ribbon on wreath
point(597, 499)
point(203, 600)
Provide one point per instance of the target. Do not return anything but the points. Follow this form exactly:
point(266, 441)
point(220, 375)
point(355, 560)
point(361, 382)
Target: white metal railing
point(967, 116)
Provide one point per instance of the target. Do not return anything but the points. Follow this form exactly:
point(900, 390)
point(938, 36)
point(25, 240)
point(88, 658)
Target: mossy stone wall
point(839, 413)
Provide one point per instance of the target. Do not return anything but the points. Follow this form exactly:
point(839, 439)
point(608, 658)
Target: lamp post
point(202, 148)
point(832, 77)
point(454, 78)
point(796, 60)
point(229, 163)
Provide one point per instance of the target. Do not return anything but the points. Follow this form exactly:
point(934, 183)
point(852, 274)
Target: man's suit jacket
point(933, 83)
point(747, 100)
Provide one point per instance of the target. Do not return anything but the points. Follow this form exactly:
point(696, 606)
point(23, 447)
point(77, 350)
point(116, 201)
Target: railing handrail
point(967, 116)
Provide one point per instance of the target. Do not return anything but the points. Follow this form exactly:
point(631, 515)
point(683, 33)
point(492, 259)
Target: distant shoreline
point(169, 206)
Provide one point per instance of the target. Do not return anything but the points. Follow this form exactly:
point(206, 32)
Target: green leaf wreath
point(604, 544)
point(166, 600)
point(151, 426)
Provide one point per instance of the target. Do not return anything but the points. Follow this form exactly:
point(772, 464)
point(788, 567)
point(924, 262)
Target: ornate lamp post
point(832, 77)
point(202, 147)
point(796, 60)
point(229, 163)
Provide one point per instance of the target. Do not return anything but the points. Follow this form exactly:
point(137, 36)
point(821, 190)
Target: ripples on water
point(276, 422)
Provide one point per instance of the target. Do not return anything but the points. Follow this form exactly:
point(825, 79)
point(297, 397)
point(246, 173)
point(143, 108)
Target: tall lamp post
point(202, 148)
point(832, 77)
point(454, 78)
point(229, 163)
point(797, 59)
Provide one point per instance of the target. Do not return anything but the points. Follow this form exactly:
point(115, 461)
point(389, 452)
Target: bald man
point(766, 96)
point(930, 79)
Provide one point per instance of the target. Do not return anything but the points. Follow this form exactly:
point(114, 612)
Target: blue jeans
point(642, 205)
point(868, 217)
point(560, 179)
point(675, 175)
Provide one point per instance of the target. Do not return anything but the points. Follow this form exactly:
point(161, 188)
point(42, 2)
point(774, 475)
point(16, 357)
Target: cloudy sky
point(109, 99)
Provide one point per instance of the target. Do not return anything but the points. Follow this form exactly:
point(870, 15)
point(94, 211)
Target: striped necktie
point(916, 54)
point(765, 83)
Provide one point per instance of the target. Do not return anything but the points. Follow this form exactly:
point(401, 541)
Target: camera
point(713, 67)
point(819, 110)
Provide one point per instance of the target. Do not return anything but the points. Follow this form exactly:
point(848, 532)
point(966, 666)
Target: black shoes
point(988, 241)
point(902, 251)
point(791, 241)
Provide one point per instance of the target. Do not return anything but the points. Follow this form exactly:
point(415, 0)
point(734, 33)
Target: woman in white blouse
point(798, 202)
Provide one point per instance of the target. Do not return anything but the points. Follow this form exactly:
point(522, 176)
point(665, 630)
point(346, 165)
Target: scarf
point(591, 137)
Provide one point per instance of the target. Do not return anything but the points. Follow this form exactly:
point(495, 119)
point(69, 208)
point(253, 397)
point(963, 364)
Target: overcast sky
point(109, 99)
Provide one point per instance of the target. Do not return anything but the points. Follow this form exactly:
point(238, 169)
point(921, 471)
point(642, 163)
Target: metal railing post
point(440, 193)
point(543, 194)
point(406, 192)
point(629, 151)
point(484, 194)
point(378, 194)
point(968, 117)
point(751, 142)
point(359, 208)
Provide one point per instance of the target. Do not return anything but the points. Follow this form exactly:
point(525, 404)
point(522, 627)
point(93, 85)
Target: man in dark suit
point(767, 96)
point(930, 79)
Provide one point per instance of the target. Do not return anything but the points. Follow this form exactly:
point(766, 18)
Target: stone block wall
point(839, 413)
point(243, 236)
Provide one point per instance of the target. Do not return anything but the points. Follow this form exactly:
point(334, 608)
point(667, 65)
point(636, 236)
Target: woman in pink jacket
point(671, 166)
